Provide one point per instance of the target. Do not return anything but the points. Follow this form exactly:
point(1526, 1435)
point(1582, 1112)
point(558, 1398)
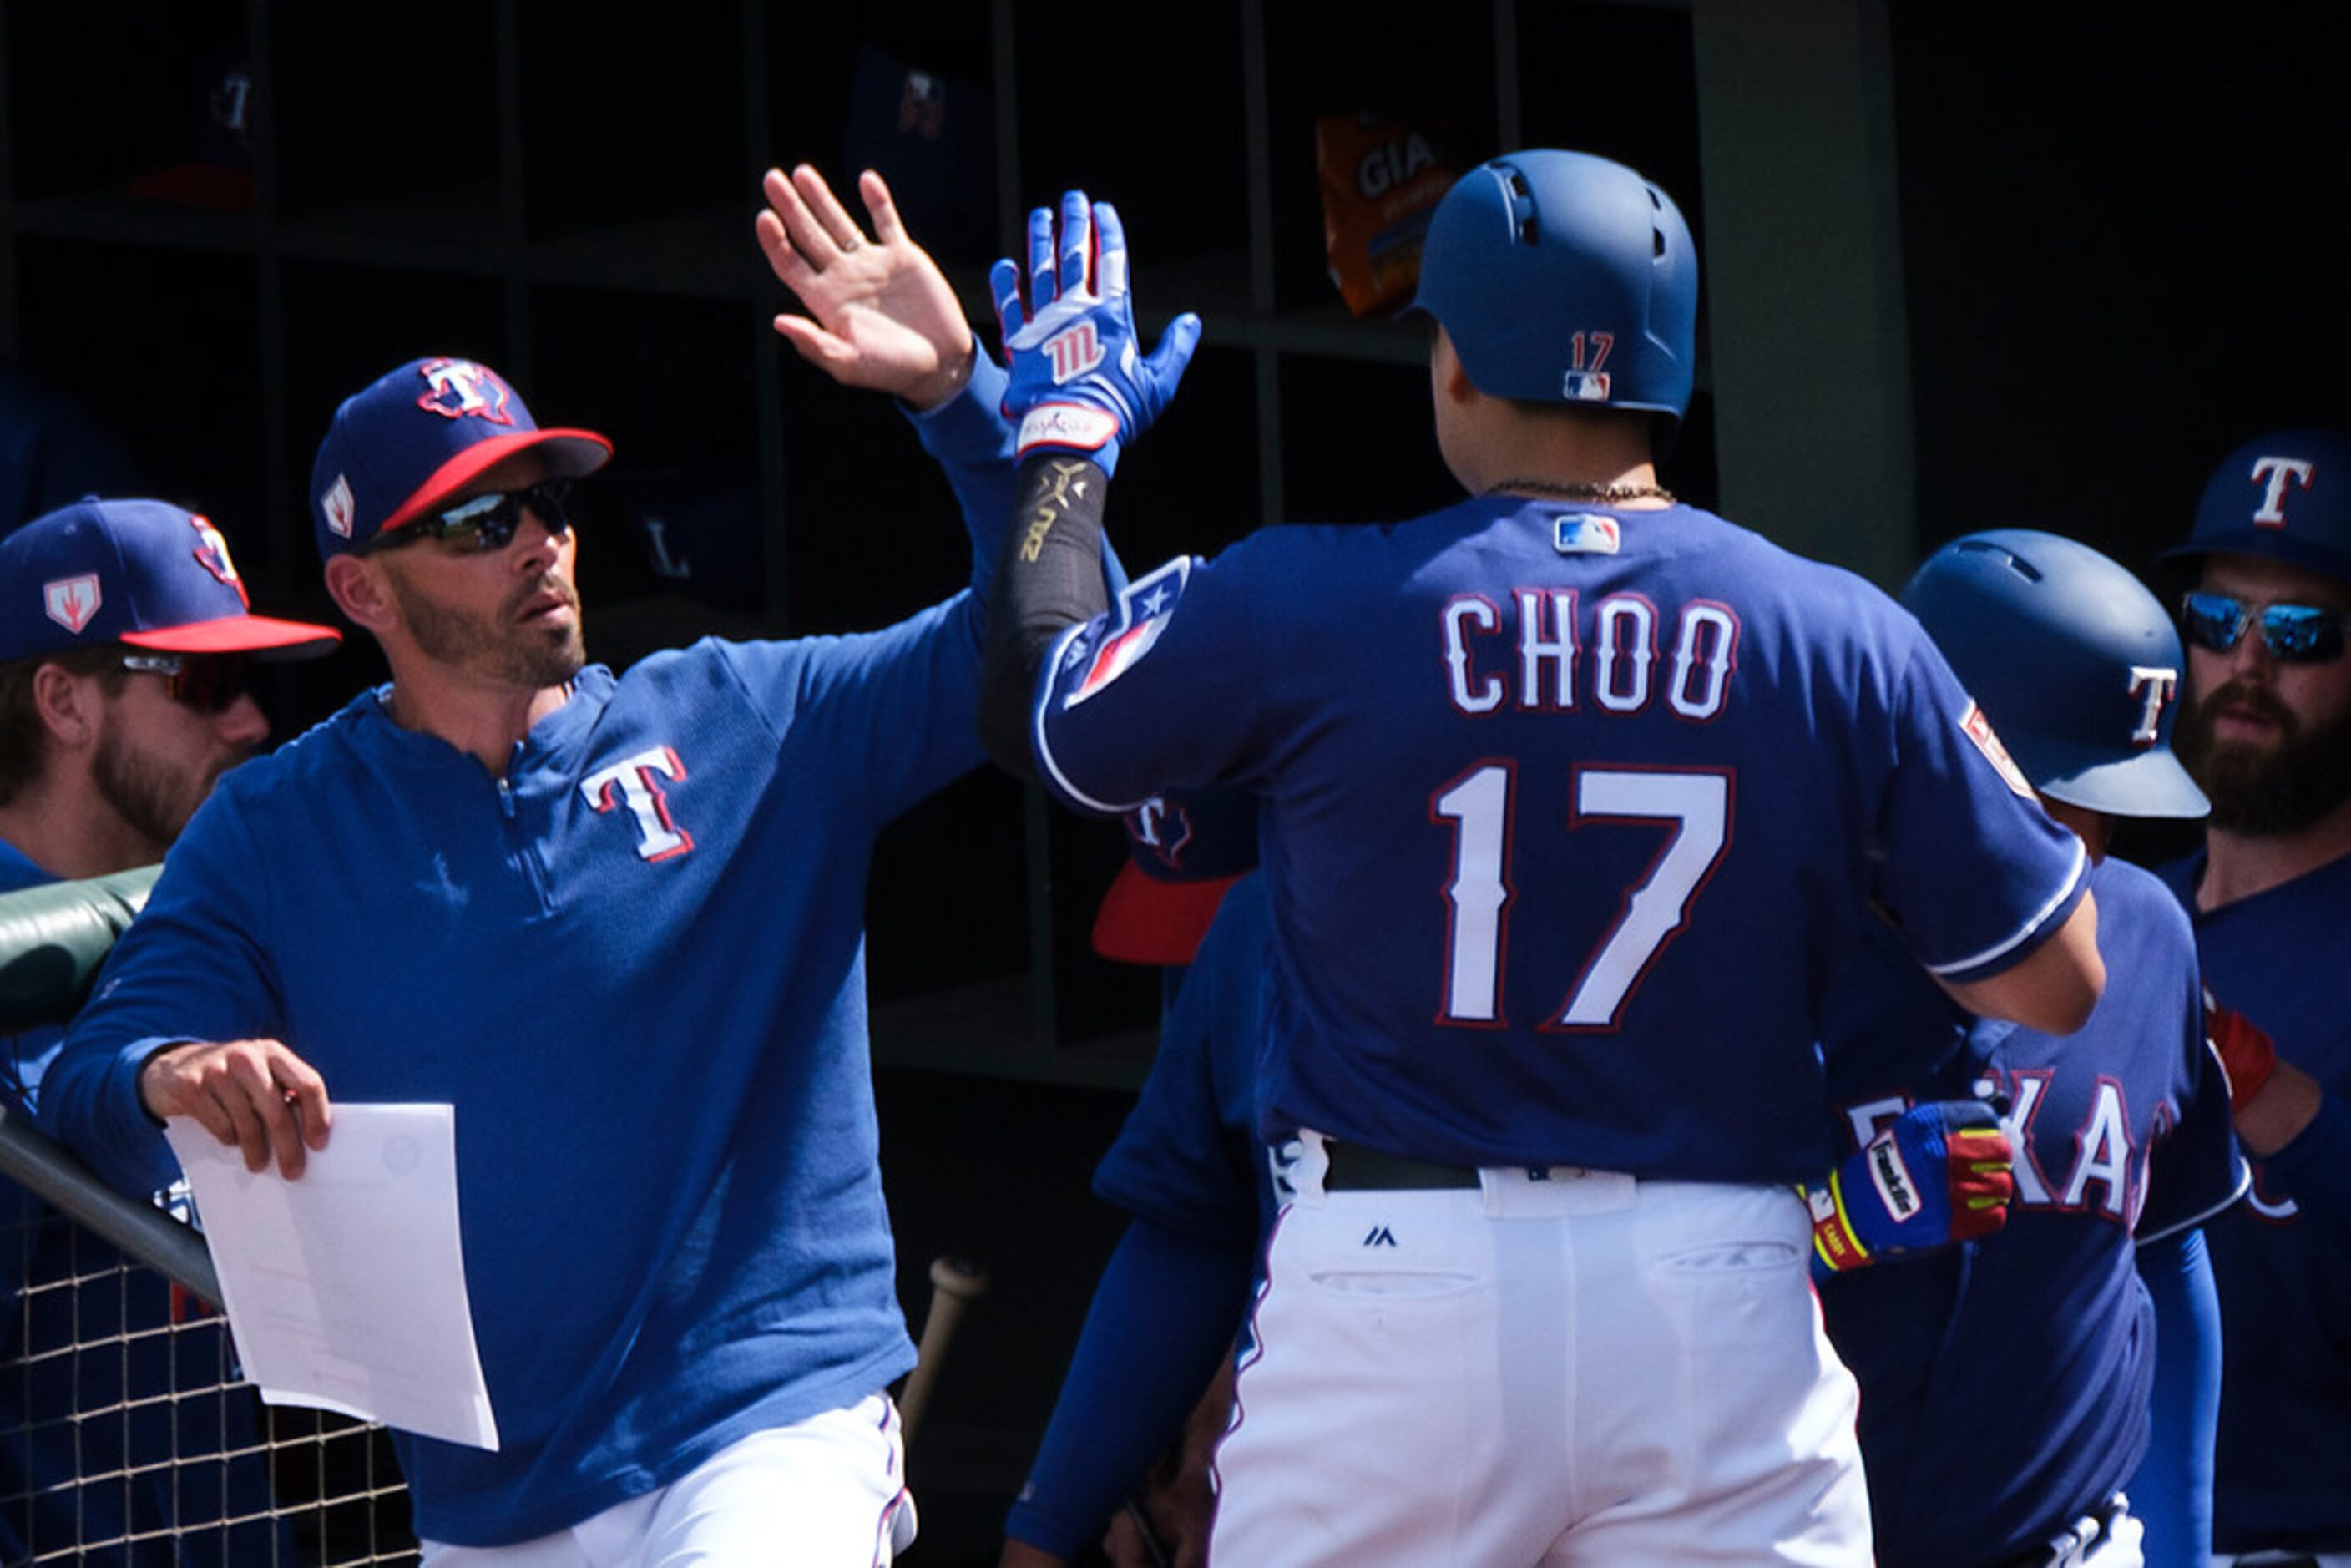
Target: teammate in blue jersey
point(615, 921)
point(2267, 729)
point(1572, 801)
point(125, 644)
point(2120, 1132)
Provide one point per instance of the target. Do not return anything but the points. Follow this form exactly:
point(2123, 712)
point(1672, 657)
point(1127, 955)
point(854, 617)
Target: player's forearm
point(1162, 1323)
point(2172, 1491)
point(1047, 579)
point(968, 435)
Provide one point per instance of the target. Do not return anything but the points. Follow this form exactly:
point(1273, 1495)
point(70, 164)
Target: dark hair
point(24, 739)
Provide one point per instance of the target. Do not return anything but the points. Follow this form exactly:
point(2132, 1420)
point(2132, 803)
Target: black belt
point(1355, 1168)
point(2048, 1551)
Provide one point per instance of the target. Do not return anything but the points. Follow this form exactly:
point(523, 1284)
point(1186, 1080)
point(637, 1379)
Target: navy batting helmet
point(1563, 277)
point(2075, 660)
point(2287, 496)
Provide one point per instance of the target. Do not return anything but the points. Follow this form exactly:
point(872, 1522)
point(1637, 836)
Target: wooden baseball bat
point(956, 1283)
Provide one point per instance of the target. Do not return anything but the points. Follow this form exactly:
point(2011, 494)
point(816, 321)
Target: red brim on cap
point(240, 634)
point(571, 455)
point(1146, 921)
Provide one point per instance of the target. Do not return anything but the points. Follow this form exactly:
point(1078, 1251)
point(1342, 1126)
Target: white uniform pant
point(1557, 1367)
point(829, 1491)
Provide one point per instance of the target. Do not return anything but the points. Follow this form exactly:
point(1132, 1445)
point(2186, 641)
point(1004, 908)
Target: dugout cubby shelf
point(217, 217)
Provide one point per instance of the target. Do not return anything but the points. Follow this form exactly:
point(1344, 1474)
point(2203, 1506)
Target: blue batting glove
point(1078, 384)
point(1940, 1173)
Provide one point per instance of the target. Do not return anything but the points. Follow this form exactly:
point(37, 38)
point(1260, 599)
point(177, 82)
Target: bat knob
point(958, 1277)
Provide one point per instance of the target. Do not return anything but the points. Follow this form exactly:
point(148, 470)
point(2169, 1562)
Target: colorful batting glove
point(2246, 1054)
point(1938, 1174)
point(1078, 384)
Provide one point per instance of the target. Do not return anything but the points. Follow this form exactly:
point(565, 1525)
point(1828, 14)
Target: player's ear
point(362, 590)
point(1445, 372)
point(68, 704)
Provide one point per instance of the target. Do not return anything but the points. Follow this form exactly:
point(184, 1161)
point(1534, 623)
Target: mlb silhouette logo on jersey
point(71, 601)
point(456, 389)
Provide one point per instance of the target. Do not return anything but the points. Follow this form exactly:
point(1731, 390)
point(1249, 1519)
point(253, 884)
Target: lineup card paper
point(345, 1288)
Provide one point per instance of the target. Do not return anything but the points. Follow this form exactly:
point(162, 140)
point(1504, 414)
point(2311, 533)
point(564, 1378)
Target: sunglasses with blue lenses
point(2293, 633)
point(484, 523)
point(207, 683)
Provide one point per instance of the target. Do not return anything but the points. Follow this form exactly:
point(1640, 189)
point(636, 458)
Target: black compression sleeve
point(1048, 577)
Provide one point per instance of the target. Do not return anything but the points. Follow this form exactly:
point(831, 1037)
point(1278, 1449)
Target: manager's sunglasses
point(484, 523)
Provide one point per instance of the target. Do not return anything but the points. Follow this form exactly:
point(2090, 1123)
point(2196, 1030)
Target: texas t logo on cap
point(2275, 476)
point(458, 388)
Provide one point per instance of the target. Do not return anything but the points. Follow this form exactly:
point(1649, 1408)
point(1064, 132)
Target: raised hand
point(879, 313)
point(1077, 383)
point(1940, 1173)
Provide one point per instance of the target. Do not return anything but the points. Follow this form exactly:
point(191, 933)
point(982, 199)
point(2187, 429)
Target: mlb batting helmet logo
point(72, 602)
point(457, 389)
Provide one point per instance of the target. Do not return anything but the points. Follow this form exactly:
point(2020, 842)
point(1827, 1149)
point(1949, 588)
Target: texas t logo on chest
point(636, 782)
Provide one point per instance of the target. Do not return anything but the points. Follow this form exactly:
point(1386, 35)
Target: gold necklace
point(1585, 490)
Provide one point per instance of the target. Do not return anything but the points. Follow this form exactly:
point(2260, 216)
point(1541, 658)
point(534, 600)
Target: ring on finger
point(851, 243)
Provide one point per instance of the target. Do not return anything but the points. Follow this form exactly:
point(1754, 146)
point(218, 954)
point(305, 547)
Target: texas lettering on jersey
point(2105, 1169)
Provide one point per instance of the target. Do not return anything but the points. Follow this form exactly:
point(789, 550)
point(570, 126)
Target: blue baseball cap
point(2286, 496)
point(142, 572)
point(420, 434)
point(1185, 848)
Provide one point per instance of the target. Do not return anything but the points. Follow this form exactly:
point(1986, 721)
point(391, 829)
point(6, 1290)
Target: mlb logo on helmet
point(2285, 496)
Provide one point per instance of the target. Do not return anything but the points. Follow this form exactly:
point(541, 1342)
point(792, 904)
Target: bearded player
point(2267, 732)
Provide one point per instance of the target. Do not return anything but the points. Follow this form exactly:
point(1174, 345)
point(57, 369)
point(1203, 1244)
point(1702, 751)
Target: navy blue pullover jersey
point(1568, 818)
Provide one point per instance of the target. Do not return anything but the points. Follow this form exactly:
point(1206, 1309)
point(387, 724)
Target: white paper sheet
point(345, 1288)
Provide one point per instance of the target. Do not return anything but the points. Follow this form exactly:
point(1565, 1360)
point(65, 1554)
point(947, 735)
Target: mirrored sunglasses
point(2293, 633)
point(208, 683)
point(484, 523)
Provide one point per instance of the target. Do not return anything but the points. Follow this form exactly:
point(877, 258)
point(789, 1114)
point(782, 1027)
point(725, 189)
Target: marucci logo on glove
point(1074, 350)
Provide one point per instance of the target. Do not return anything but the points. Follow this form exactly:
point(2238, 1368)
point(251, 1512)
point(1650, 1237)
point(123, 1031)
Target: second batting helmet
point(1563, 277)
point(2075, 660)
